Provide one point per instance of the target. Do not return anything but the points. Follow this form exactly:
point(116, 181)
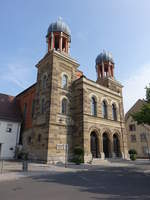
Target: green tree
point(148, 94)
point(143, 116)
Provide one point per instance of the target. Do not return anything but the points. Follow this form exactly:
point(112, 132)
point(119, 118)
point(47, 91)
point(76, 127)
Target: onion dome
point(104, 57)
point(59, 26)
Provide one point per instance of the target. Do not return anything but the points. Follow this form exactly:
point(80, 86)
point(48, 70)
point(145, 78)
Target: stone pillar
point(101, 148)
point(98, 71)
point(112, 71)
point(66, 49)
point(60, 42)
point(111, 148)
point(109, 70)
point(102, 69)
point(52, 40)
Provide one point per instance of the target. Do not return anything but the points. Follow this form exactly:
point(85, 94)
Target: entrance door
point(116, 145)
point(94, 145)
point(106, 145)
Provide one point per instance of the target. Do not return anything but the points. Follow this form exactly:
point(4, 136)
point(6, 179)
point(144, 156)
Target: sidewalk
point(12, 170)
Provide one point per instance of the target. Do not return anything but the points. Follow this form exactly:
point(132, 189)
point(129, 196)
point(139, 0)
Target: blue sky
point(119, 26)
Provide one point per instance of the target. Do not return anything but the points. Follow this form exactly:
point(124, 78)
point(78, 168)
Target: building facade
point(10, 123)
point(66, 109)
point(138, 135)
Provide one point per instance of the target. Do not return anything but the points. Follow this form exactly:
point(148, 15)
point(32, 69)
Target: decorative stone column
point(101, 148)
point(52, 40)
point(109, 70)
point(111, 149)
point(60, 42)
point(102, 69)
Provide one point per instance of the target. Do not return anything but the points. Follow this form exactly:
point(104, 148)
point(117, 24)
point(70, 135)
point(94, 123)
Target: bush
point(78, 151)
point(133, 157)
point(132, 151)
point(133, 154)
point(78, 156)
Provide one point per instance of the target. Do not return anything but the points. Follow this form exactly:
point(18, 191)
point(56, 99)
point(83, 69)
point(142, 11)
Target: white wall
point(8, 140)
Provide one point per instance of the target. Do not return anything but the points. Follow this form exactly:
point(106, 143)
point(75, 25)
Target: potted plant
point(78, 155)
point(133, 154)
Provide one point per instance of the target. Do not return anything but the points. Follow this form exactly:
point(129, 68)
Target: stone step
point(97, 161)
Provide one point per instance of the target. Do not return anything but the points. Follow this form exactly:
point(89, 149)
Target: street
point(98, 182)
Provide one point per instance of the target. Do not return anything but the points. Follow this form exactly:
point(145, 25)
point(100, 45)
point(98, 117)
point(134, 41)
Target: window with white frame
point(133, 138)
point(9, 128)
point(145, 150)
point(143, 137)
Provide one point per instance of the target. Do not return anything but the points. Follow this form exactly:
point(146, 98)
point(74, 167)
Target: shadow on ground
point(116, 182)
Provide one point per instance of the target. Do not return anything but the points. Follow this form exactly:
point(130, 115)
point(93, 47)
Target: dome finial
point(60, 18)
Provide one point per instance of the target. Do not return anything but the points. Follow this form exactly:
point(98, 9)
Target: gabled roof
point(9, 108)
point(135, 108)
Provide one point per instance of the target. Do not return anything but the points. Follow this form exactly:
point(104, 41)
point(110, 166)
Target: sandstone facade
point(74, 115)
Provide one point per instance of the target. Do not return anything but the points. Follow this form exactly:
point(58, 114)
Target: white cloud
point(17, 74)
point(82, 36)
point(134, 86)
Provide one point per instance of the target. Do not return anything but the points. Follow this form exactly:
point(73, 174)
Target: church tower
point(105, 72)
point(59, 36)
point(53, 116)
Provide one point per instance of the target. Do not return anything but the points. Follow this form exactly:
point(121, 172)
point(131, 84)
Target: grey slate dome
point(104, 57)
point(59, 26)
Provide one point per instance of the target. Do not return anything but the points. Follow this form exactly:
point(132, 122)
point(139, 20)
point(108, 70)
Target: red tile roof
point(9, 108)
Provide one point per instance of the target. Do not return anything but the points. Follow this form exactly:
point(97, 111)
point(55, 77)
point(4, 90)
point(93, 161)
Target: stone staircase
point(99, 161)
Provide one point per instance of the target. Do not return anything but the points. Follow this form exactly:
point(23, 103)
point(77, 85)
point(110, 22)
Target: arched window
point(104, 109)
point(39, 138)
point(64, 81)
point(93, 106)
point(44, 81)
point(114, 112)
point(43, 106)
point(64, 106)
point(29, 140)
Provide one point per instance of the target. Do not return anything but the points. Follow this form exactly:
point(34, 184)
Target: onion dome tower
point(59, 36)
point(105, 72)
point(105, 65)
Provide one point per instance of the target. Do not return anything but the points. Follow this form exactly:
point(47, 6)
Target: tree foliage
point(148, 94)
point(143, 116)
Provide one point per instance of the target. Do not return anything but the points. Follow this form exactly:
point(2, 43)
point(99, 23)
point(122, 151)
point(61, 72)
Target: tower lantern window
point(57, 42)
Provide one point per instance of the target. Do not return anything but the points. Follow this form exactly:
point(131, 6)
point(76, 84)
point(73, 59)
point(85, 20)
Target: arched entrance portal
point(94, 145)
point(106, 145)
point(116, 145)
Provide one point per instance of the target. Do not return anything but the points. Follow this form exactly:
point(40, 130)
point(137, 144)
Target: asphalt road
point(96, 183)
